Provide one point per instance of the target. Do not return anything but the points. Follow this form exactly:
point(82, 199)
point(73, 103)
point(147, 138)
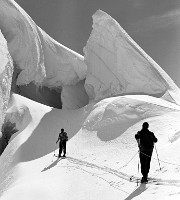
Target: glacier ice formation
point(42, 65)
point(118, 66)
point(6, 72)
point(50, 73)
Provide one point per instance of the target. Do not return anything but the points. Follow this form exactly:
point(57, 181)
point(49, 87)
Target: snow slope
point(102, 151)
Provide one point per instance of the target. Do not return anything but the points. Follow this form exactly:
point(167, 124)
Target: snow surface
point(101, 151)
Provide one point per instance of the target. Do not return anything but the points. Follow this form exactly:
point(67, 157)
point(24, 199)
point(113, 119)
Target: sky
point(153, 24)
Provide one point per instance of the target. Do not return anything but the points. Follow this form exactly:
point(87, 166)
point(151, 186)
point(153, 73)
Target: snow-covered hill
point(101, 153)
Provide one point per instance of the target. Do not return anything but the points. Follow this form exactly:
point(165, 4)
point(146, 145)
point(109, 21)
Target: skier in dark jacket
point(63, 138)
point(145, 140)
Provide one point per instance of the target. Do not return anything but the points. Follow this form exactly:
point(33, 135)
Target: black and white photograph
point(89, 99)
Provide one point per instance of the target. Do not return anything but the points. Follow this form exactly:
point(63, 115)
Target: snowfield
point(102, 153)
point(103, 99)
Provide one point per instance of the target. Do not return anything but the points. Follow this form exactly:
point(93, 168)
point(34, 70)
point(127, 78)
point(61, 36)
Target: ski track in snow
point(117, 173)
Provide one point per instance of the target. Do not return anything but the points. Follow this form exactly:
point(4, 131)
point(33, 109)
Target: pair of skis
point(137, 180)
point(156, 181)
point(57, 156)
point(150, 181)
point(62, 157)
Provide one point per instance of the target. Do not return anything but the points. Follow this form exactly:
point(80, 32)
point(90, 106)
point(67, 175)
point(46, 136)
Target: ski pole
point(157, 157)
point(138, 168)
point(54, 154)
point(138, 171)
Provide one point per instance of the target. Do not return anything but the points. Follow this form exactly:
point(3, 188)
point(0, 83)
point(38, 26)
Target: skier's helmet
point(62, 130)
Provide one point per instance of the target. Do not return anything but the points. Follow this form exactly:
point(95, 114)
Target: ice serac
point(6, 71)
point(37, 58)
point(23, 41)
point(118, 66)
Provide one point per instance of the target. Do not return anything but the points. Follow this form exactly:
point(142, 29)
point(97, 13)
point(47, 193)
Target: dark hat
point(145, 125)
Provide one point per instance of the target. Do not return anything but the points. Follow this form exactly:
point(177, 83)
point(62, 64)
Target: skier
point(145, 140)
point(63, 138)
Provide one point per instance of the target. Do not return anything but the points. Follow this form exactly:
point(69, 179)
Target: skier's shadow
point(51, 165)
point(137, 192)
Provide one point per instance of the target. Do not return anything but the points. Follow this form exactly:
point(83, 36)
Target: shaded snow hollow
point(116, 87)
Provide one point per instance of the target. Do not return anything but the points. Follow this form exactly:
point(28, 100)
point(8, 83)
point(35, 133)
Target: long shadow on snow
point(51, 165)
point(43, 139)
point(137, 192)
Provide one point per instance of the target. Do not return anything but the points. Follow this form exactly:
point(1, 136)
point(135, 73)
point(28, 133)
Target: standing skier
point(145, 140)
point(63, 138)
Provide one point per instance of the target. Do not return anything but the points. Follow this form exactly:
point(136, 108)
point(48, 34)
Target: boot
point(144, 180)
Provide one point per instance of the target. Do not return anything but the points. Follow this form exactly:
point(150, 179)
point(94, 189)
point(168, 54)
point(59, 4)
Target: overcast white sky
point(153, 24)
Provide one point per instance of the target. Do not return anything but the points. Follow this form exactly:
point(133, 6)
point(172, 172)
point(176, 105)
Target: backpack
point(63, 136)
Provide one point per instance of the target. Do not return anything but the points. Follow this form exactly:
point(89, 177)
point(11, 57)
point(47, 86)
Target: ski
point(150, 181)
point(57, 156)
point(138, 180)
